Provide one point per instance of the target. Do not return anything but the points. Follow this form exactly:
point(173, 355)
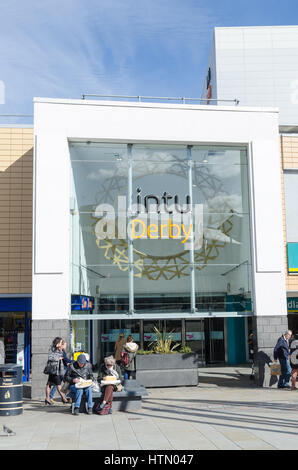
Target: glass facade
point(160, 229)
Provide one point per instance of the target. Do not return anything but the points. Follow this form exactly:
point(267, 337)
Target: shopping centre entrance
point(160, 237)
point(208, 337)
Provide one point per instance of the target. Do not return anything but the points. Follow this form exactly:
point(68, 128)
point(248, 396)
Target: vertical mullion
point(191, 254)
point(130, 241)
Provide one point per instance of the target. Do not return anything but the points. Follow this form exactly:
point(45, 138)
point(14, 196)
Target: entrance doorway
point(206, 336)
point(215, 350)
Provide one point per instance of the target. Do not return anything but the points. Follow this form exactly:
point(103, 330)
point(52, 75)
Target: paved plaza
point(226, 411)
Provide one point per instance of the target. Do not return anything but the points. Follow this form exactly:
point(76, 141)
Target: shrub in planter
point(185, 350)
point(161, 368)
point(163, 343)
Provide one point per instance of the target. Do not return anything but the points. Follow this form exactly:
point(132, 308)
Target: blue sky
point(63, 48)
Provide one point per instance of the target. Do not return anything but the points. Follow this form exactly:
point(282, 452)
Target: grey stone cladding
point(43, 332)
point(267, 331)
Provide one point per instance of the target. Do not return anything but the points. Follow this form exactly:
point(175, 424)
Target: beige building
point(289, 171)
point(16, 185)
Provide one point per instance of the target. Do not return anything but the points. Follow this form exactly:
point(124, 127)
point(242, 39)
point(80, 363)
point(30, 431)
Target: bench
point(129, 399)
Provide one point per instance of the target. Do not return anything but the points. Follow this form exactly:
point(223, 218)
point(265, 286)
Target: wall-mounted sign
point(82, 302)
point(292, 251)
point(191, 336)
point(292, 303)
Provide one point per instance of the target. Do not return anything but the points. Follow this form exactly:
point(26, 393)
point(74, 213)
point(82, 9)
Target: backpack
point(124, 358)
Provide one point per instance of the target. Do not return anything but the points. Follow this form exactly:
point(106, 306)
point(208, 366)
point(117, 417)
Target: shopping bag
point(275, 368)
point(95, 387)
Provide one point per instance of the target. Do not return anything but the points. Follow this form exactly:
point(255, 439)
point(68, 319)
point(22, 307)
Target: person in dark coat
point(281, 353)
point(294, 360)
point(55, 360)
point(65, 361)
point(80, 369)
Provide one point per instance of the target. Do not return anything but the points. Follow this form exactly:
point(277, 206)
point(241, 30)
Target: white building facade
point(257, 65)
point(155, 215)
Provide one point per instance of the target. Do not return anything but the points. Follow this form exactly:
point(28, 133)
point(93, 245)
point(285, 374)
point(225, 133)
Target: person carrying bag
point(128, 357)
point(55, 370)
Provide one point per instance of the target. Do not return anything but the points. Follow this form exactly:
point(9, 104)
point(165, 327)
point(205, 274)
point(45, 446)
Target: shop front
point(15, 332)
point(292, 306)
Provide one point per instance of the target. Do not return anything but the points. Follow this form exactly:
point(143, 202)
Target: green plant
point(185, 350)
point(162, 343)
point(142, 352)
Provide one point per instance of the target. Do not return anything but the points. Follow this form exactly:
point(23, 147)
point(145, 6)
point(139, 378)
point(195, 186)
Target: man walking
point(294, 360)
point(282, 352)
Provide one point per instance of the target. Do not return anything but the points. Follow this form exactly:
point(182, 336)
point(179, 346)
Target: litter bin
point(11, 390)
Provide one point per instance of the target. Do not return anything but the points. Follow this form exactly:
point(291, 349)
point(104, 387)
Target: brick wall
point(16, 188)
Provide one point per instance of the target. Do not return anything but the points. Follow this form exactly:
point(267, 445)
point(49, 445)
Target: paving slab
point(207, 417)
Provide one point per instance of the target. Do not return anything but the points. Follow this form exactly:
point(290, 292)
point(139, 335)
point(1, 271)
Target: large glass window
point(160, 228)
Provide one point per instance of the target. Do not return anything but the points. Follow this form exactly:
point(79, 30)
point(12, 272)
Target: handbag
point(124, 358)
point(50, 368)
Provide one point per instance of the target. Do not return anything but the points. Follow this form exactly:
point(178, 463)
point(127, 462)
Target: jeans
point(127, 374)
point(284, 379)
point(78, 393)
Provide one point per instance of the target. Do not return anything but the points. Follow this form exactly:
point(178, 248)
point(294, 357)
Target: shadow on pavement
point(227, 377)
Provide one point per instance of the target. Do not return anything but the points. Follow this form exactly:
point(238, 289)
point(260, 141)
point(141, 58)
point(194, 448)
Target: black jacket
point(294, 353)
point(74, 371)
point(281, 350)
point(54, 356)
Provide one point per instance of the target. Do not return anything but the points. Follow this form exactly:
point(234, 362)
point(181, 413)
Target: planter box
point(167, 370)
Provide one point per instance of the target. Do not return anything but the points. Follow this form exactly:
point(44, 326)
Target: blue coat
point(281, 350)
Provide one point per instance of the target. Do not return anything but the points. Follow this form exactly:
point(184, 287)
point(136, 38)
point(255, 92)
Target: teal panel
point(292, 303)
point(292, 250)
point(236, 341)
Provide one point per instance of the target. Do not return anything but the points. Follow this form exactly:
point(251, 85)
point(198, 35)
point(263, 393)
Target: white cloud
point(62, 49)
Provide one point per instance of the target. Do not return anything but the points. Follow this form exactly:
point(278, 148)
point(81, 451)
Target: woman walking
point(131, 349)
point(66, 361)
point(56, 370)
point(118, 348)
